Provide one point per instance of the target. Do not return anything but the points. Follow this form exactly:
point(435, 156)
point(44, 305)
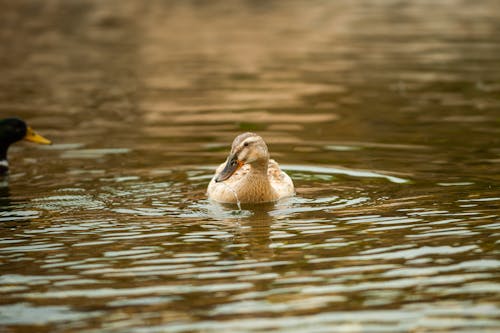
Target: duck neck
point(258, 169)
point(257, 177)
point(256, 186)
point(4, 165)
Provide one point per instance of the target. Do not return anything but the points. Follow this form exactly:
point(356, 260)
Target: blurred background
point(385, 113)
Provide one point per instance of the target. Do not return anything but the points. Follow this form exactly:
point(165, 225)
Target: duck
point(249, 175)
point(13, 130)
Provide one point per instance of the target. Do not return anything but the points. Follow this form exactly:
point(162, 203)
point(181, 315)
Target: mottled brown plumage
point(250, 174)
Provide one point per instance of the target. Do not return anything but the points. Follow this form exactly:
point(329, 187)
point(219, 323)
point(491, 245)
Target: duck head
point(247, 148)
point(13, 130)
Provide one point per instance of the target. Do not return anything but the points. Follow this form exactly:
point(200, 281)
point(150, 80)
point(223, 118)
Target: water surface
point(384, 113)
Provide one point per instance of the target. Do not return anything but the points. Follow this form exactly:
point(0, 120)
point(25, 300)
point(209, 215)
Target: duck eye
point(245, 144)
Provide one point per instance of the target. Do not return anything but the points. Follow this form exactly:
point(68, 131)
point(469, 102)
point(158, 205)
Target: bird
point(249, 175)
point(11, 131)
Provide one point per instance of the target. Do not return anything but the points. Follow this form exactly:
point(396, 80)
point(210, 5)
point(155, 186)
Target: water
point(384, 113)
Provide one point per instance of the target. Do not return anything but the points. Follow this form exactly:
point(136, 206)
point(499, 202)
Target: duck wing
point(280, 181)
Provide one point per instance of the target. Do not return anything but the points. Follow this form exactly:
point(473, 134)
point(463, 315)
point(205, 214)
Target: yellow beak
point(34, 137)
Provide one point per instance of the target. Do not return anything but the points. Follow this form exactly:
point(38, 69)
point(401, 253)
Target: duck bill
point(232, 165)
point(34, 137)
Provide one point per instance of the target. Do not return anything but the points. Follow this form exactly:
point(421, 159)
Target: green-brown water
point(385, 114)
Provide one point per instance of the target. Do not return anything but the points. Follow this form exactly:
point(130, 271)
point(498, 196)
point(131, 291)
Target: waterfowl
point(11, 131)
point(249, 175)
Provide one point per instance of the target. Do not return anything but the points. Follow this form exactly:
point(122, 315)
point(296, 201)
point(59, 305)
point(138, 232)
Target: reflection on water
point(385, 114)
